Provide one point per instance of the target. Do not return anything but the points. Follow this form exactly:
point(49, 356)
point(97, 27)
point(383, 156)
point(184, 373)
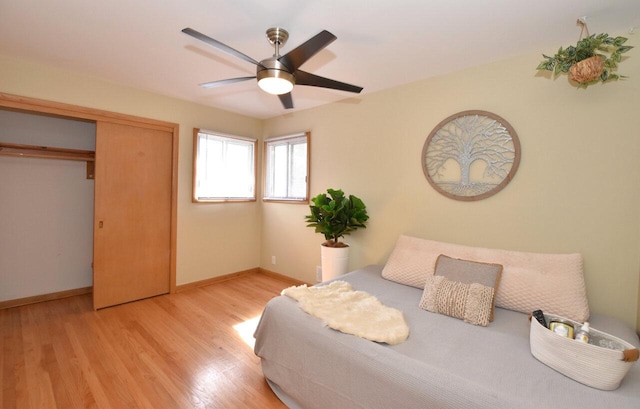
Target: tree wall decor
point(471, 155)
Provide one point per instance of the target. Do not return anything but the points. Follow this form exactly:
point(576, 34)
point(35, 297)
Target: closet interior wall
point(46, 208)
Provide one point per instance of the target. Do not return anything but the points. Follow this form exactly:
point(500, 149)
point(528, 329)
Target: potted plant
point(334, 216)
point(593, 59)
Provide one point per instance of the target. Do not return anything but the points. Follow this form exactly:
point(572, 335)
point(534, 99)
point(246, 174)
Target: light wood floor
point(175, 351)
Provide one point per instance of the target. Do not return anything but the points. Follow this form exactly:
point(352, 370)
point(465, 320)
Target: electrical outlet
point(319, 274)
point(273, 260)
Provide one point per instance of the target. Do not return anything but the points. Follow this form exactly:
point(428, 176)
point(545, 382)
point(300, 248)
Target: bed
point(444, 363)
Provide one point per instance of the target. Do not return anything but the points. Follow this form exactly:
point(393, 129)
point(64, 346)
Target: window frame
point(265, 167)
point(194, 182)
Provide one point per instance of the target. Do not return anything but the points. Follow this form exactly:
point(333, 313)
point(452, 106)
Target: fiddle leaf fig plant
point(592, 59)
point(335, 215)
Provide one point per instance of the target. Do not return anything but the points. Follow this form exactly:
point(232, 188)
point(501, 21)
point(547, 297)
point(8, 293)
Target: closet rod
point(46, 152)
point(12, 149)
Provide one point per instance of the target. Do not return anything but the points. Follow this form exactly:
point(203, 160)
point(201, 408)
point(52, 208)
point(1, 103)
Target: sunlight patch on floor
point(246, 329)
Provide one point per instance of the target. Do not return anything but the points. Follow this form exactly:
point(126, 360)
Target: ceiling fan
point(278, 74)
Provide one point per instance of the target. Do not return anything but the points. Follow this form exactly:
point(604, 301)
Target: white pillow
point(553, 283)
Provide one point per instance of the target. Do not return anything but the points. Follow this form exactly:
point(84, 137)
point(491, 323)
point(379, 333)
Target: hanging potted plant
point(593, 59)
point(334, 216)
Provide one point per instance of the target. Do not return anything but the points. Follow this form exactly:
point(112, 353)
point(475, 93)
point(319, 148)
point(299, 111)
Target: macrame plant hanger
point(582, 21)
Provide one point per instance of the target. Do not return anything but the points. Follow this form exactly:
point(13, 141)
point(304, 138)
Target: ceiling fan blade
point(299, 55)
point(220, 83)
point(217, 44)
point(287, 101)
point(305, 78)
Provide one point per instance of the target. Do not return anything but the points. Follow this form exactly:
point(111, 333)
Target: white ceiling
point(380, 44)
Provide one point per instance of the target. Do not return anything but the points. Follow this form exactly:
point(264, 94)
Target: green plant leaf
point(544, 65)
point(617, 57)
point(618, 41)
point(557, 69)
point(624, 49)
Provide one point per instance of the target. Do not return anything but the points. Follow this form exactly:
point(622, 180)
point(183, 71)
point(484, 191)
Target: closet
point(135, 194)
point(46, 205)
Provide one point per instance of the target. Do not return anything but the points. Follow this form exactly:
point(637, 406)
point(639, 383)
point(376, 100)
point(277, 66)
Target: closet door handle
point(100, 224)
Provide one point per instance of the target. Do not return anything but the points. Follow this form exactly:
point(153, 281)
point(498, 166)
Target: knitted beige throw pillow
point(469, 302)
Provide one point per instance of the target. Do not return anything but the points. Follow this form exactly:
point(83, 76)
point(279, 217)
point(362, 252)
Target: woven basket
point(586, 70)
point(592, 365)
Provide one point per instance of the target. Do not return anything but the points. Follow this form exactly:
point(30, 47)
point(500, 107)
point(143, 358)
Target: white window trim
point(265, 173)
point(195, 198)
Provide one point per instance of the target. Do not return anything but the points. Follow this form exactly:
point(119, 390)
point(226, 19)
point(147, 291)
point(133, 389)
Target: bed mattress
point(445, 362)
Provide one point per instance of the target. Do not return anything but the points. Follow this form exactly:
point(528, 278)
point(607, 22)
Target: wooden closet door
point(133, 199)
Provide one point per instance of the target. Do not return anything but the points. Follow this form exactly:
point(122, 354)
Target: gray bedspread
point(445, 363)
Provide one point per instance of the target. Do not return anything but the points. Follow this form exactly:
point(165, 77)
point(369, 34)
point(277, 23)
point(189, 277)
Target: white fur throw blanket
point(351, 312)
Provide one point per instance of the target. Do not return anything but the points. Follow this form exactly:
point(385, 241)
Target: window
point(223, 168)
point(286, 175)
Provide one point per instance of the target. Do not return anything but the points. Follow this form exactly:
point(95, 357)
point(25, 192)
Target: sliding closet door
point(133, 205)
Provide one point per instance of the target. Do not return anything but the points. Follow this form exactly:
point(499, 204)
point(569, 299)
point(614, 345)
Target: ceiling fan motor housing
point(272, 68)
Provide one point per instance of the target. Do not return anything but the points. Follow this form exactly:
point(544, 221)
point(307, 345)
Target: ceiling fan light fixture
point(274, 78)
point(274, 82)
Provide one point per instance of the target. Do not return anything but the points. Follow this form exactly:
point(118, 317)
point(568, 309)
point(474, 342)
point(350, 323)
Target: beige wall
point(213, 239)
point(577, 188)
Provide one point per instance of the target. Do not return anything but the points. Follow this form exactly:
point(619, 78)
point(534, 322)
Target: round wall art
point(471, 155)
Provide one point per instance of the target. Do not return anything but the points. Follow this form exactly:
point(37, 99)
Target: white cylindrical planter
point(335, 261)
